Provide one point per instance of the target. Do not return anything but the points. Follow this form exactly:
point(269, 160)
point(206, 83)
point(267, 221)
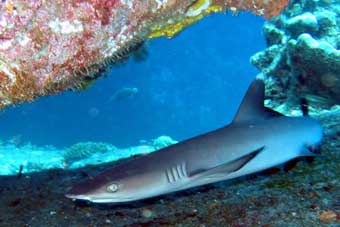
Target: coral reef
point(303, 57)
point(50, 46)
point(161, 142)
point(28, 158)
point(307, 195)
point(84, 150)
point(31, 158)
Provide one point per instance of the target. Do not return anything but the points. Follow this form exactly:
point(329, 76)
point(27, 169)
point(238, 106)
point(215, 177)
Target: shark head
point(122, 183)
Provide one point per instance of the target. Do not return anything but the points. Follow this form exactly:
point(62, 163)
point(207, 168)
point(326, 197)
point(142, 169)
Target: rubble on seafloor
point(50, 46)
point(305, 193)
point(302, 59)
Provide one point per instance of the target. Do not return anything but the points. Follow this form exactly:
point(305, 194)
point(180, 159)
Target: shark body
point(257, 139)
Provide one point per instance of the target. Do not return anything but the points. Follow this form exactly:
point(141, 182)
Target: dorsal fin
point(252, 106)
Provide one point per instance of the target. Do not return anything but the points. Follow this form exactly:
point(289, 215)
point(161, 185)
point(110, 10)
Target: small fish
point(124, 93)
point(257, 139)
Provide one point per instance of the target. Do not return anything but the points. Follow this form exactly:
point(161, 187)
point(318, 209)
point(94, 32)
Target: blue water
point(188, 85)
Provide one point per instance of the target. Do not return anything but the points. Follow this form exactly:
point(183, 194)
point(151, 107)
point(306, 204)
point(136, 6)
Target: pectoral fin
point(228, 167)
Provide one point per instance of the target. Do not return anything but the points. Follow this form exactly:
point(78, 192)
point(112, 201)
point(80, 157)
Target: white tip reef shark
point(258, 138)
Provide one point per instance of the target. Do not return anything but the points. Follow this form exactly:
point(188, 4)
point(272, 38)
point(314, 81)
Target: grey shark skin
point(257, 139)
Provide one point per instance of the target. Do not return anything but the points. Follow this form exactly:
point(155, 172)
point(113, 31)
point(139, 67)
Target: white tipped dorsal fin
point(252, 106)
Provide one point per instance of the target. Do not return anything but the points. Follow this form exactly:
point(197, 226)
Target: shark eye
point(112, 188)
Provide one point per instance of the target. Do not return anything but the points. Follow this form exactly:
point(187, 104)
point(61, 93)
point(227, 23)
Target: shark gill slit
point(169, 175)
point(184, 169)
point(179, 171)
point(176, 173)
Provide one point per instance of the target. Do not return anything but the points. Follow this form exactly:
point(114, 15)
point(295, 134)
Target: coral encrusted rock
point(302, 60)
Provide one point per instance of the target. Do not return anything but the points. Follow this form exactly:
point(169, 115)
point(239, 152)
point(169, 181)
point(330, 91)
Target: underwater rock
point(306, 22)
point(302, 59)
point(328, 216)
point(50, 46)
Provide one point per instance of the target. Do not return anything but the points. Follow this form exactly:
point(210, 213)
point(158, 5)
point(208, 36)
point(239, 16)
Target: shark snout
point(75, 193)
point(80, 197)
point(99, 198)
point(78, 192)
